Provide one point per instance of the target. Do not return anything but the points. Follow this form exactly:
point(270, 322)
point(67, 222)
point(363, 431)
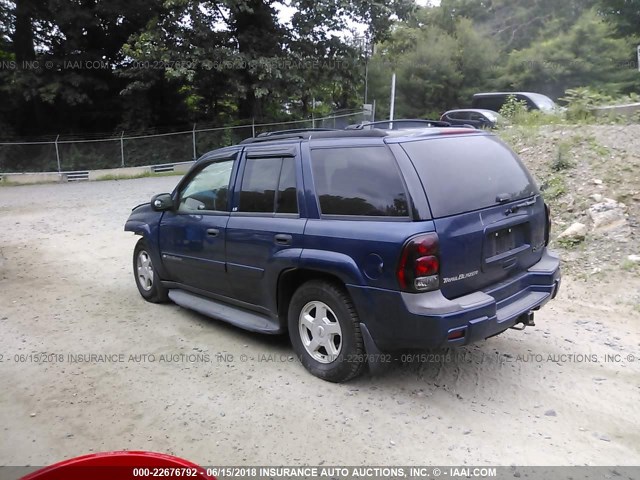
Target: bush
point(514, 109)
point(561, 160)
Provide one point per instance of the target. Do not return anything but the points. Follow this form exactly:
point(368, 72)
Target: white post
point(393, 100)
point(373, 116)
point(253, 127)
point(122, 147)
point(58, 156)
point(195, 153)
point(638, 57)
point(313, 117)
point(366, 79)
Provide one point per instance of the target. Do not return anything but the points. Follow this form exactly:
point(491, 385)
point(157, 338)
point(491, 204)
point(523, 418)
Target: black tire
point(349, 361)
point(148, 283)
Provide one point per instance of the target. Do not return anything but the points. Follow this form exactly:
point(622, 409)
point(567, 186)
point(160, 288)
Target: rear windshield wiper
point(517, 207)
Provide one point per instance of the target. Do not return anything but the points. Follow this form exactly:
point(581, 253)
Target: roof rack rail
point(312, 133)
point(398, 124)
point(294, 130)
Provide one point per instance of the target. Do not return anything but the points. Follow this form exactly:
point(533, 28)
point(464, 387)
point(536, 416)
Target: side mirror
point(162, 202)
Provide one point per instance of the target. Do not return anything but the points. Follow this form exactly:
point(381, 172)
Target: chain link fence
point(62, 155)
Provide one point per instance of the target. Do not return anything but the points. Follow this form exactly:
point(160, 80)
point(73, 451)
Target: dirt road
point(166, 379)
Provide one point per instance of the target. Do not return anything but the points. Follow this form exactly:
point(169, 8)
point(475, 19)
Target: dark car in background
point(355, 242)
point(495, 100)
point(477, 118)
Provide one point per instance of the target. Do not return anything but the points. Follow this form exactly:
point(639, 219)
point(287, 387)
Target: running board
point(238, 317)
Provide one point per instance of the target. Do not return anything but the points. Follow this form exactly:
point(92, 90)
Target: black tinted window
point(259, 184)
point(358, 181)
point(459, 115)
point(490, 103)
point(262, 178)
point(462, 174)
point(287, 201)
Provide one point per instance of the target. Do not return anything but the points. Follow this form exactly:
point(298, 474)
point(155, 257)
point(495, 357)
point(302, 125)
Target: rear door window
point(465, 173)
point(269, 186)
point(363, 181)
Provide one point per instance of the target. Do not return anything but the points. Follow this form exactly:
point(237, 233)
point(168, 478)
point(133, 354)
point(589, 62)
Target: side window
point(530, 104)
point(269, 186)
point(287, 201)
point(494, 102)
point(208, 190)
point(358, 181)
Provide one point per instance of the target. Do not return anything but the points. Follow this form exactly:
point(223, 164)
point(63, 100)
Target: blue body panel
point(482, 292)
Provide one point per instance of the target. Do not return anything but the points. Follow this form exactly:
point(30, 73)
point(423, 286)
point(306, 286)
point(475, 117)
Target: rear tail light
point(547, 229)
point(419, 266)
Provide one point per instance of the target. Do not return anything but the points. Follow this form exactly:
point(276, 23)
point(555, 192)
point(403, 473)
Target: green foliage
point(169, 64)
point(624, 14)
point(173, 63)
point(569, 243)
point(513, 108)
point(562, 161)
point(137, 176)
point(554, 187)
point(580, 102)
point(436, 70)
point(585, 54)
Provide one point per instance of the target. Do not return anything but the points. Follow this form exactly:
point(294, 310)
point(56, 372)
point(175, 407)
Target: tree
point(587, 54)
point(624, 14)
point(436, 70)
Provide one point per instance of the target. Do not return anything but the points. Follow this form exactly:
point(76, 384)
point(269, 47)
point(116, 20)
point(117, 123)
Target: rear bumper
point(397, 320)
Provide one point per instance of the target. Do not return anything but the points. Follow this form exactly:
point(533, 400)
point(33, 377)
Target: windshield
point(543, 102)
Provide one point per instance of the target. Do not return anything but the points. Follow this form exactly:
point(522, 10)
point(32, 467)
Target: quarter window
point(362, 181)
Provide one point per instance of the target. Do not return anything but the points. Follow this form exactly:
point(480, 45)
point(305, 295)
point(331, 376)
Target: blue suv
point(355, 242)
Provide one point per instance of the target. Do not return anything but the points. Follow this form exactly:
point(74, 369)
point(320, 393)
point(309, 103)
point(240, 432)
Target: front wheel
point(325, 331)
point(147, 279)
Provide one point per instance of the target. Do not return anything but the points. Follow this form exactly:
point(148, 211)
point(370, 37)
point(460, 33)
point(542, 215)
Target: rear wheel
point(147, 279)
point(325, 331)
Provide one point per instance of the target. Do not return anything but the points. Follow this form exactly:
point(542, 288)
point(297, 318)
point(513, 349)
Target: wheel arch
point(290, 280)
point(149, 234)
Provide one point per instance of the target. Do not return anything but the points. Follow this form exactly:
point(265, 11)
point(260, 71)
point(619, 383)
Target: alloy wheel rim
point(144, 271)
point(320, 332)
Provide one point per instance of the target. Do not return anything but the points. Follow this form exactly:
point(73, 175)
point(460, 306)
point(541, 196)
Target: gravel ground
point(545, 396)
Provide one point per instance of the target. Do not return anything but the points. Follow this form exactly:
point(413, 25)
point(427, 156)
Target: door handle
point(213, 232)
point(283, 239)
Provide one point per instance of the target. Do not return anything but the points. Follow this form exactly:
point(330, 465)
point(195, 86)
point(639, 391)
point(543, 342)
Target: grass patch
point(9, 183)
point(569, 243)
point(108, 177)
point(554, 188)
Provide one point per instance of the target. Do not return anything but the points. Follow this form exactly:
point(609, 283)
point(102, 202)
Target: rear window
point(361, 181)
point(462, 174)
